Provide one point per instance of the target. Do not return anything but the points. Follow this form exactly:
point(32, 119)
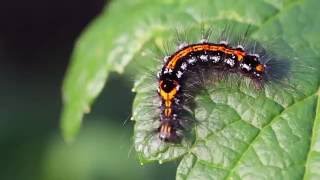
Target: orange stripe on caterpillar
point(172, 62)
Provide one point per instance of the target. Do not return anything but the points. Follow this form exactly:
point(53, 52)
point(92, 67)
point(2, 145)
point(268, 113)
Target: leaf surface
point(242, 134)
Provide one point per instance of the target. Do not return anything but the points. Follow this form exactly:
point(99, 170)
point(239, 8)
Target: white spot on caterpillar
point(256, 55)
point(184, 66)
point(165, 59)
point(167, 71)
point(192, 60)
point(204, 57)
point(240, 47)
point(245, 66)
point(179, 74)
point(256, 74)
point(203, 40)
point(229, 62)
point(224, 42)
point(215, 59)
point(177, 101)
point(182, 45)
point(177, 87)
point(158, 74)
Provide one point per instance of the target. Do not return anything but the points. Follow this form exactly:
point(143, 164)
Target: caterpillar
point(222, 57)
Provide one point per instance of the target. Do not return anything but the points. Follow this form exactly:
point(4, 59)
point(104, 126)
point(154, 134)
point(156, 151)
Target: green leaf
point(244, 133)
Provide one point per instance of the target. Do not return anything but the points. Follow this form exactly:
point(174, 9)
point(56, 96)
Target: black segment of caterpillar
point(172, 77)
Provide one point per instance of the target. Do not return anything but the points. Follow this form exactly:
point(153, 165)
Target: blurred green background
point(36, 40)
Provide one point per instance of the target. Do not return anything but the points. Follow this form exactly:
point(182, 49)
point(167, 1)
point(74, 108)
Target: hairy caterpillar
point(221, 57)
point(217, 56)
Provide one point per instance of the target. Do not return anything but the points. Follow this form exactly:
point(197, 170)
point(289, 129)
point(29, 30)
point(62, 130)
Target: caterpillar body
point(217, 57)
